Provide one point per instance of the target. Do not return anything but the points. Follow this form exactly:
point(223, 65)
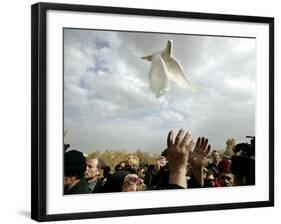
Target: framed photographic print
point(139, 111)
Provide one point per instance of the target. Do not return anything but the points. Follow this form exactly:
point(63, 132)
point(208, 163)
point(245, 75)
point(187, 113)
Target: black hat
point(115, 182)
point(74, 164)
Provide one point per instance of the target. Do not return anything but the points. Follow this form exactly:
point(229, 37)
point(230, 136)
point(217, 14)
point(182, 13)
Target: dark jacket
point(156, 180)
point(98, 187)
point(80, 188)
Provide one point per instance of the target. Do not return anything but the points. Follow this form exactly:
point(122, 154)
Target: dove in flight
point(165, 67)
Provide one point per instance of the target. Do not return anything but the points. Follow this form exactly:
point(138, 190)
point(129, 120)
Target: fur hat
point(225, 166)
point(74, 164)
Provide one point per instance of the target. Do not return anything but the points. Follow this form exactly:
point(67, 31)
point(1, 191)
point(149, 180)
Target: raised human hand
point(178, 150)
point(177, 155)
point(198, 159)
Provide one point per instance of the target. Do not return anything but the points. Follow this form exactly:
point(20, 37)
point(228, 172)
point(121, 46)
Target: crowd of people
point(183, 164)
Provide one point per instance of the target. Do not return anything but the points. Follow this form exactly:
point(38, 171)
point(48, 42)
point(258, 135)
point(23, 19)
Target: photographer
point(243, 163)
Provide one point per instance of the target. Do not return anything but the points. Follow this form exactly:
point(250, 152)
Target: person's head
point(93, 170)
point(225, 175)
point(210, 179)
point(115, 181)
point(160, 162)
point(106, 171)
point(226, 179)
point(74, 167)
point(215, 156)
point(132, 161)
point(132, 182)
point(120, 166)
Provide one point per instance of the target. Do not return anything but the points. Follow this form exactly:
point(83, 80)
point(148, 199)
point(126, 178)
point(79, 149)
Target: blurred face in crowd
point(210, 180)
point(133, 182)
point(133, 161)
point(226, 179)
point(69, 182)
point(122, 164)
point(215, 157)
point(92, 171)
point(161, 162)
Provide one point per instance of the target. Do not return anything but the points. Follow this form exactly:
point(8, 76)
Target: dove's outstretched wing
point(175, 72)
point(158, 79)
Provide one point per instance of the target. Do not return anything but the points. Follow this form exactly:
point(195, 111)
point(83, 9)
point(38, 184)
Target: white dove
point(164, 66)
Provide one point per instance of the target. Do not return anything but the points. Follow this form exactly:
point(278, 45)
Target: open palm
point(198, 157)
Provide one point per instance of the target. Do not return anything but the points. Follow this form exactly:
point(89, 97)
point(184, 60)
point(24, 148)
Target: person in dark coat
point(154, 175)
point(74, 169)
point(81, 187)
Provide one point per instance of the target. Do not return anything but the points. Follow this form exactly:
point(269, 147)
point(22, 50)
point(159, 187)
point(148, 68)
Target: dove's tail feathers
point(148, 58)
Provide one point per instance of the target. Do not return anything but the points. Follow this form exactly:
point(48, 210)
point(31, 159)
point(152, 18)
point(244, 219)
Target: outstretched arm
point(198, 159)
point(178, 151)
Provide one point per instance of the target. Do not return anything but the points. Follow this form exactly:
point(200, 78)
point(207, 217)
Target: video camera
point(246, 149)
point(243, 162)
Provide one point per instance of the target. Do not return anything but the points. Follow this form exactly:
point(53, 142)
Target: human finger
point(202, 143)
point(170, 138)
point(179, 137)
point(208, 150)
point(197, 144)
point(185, 138)
point(205, 143)
point(190, 145)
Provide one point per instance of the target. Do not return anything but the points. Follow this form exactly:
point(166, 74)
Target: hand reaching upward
point(198, 158)
point(179, 149)
point(178, 152)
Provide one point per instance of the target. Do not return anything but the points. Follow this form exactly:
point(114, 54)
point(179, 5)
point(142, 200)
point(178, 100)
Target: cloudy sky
point(108, 103)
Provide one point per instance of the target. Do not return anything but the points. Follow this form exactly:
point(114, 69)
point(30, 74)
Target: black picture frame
point(39, 109)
